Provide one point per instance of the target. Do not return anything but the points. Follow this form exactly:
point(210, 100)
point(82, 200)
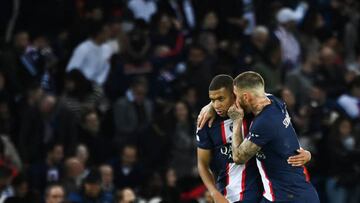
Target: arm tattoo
point(242, 150)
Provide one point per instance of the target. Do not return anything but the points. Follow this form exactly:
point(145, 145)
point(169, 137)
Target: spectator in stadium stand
point(127, 170)
point(310, 27)
point(210, 23)
point(48, 170)
point(23, 193)
point(91, 190)
point(186, 12)
point(349, 101)
point(7, 120)
point(5, 180)
point(300, 80)
point(90, 13)
point(55, 194)
point(107, 180)
point(152, 187)
point(40, 62)
point(12, 62)
point(80, 94)
point(270, 67)
point(143, 9)
point(6, 98)
point(9, 156)
point(5, 161)
point(167, 33)
point(82, 154)
point(135, 57)
point(330, 73)
point(125, 195)
point(341, 163)
point(74, 175)
point(232, 22)
point(37, 130)
point(133, 113)
point(183, 147)
point(196, 66)
point(92, 56)
point(286, 34)
point(209, 41)
point(297, 115)
point(254, 50)
point(171, 191)
point(90, 134)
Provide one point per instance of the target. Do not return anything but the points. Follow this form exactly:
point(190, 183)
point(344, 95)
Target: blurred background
point(98, 99)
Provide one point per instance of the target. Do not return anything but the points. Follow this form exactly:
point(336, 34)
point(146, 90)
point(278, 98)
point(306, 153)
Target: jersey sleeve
point(261, 132)
point(203, 139)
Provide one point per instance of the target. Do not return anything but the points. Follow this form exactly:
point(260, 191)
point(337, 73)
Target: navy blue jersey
point(273, 132)
point(235, 182)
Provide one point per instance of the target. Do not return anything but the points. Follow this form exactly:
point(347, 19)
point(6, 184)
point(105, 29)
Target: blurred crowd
point(98, 99)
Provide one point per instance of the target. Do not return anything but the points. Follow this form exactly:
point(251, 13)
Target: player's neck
point(260, 104)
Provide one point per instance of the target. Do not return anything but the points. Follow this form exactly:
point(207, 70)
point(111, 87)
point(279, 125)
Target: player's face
point(221, 100)
point(241, 99)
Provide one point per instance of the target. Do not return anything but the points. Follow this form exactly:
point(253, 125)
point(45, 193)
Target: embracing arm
point(204, 157)
point(206, 114)
point(300, 159)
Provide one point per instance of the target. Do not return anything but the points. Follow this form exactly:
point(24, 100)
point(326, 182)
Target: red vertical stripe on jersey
point(243, 182)
point(270, 185)
point(246, 131)
point(307, 175)
point(243, 175)
point(223, 136)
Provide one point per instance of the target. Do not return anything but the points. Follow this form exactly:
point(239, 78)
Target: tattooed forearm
point(237, 136)
point(244, 152)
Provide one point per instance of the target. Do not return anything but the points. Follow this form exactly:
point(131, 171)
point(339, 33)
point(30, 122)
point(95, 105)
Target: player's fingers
point(300, 150)
point(296, 159)
point(297, 156)
point(200, 120)
point(202, 123)
point(296, 163)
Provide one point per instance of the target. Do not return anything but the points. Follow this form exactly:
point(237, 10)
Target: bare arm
point(245, 151)
point(204, 157)
point(242, 150)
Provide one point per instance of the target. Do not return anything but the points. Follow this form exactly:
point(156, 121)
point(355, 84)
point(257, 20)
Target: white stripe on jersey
point(268, 190)
point(234, 188)
point(235, 179)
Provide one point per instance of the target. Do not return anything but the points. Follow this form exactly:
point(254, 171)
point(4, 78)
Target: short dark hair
point(249, 79)
point(221, 81)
